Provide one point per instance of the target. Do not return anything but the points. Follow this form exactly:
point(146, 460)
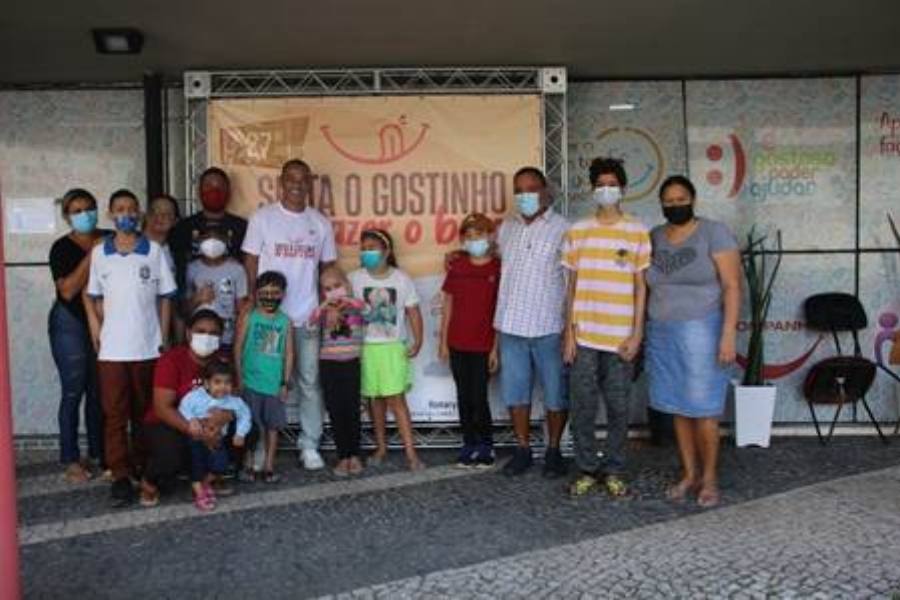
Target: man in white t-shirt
point(295, 239)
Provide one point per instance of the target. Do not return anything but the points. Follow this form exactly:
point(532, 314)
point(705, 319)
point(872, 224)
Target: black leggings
point(340, 387)
point(470, 372)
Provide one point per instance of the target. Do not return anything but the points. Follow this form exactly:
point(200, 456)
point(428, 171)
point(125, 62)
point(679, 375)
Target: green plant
point(760, 277)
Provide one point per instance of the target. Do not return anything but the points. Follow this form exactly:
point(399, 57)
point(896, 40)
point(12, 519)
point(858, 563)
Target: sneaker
point(554, 464)
point(312, 460)
point(484, 457)
point(519, 463)
point(615, 486)
point(122, 493)
point(466, 457)
point(583, 485)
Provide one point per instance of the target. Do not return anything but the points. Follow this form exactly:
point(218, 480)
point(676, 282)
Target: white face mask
point(204, 344)
point(607, 195)
point(212, 248)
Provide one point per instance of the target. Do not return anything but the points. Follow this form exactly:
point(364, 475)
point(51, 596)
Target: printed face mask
point(204, 344)
point(529, 203)
point(477, 248)
point(85, 221)
point(212, 248)
point(126, 223)
point(607, 195)
point(370, 259)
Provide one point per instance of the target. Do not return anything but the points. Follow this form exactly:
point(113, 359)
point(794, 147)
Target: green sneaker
point(583, 485)
point(615, 486)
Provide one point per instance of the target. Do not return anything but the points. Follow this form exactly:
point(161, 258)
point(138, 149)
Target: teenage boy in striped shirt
point(606, 255)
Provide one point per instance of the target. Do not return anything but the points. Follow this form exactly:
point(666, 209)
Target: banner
point(411, 165)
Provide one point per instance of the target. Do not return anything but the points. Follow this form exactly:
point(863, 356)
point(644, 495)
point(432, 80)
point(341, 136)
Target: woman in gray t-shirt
point(695, 296)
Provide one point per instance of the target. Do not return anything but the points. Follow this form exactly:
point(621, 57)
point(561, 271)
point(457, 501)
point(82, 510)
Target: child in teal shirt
point(264, 355)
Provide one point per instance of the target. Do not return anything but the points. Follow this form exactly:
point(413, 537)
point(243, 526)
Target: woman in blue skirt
point(695, 297)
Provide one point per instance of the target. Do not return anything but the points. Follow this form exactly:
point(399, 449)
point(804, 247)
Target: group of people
point(186, 338)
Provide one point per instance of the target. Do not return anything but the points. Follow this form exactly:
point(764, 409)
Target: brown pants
point(126, 390)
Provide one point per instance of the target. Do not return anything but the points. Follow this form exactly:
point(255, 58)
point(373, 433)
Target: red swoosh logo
point(389, 152)
point(783, 369)
point(740, 165)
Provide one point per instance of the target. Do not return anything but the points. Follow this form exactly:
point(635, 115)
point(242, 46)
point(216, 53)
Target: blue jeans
point(521, 359)
point(305, 387)
point(205, 461)
point(73, 353)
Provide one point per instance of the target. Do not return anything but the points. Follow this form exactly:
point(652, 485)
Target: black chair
point(841, 379)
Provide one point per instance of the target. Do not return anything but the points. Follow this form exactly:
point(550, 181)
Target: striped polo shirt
point(606, 258)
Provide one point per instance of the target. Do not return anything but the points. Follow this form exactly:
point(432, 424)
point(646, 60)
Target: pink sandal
point(203, 501)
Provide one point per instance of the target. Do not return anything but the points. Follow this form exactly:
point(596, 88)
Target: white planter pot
point(754, 407)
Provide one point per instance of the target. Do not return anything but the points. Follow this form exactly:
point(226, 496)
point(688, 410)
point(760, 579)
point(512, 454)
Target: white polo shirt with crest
point(130, 286)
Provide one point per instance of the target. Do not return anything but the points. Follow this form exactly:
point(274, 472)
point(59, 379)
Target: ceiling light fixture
point(623, 106)
point(123, 40)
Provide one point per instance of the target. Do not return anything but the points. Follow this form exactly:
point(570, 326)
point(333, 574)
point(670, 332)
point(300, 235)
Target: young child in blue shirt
point(209, 461)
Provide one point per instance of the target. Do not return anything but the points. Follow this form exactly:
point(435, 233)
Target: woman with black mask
point(694, 301)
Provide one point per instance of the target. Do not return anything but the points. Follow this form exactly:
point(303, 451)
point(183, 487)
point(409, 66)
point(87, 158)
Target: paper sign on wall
point(31, 216)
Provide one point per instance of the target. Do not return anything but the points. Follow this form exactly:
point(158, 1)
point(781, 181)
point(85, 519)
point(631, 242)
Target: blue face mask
point(477, 248)
point(529, 203)
point(84, 222)
point(126, 223)
point(370, 259)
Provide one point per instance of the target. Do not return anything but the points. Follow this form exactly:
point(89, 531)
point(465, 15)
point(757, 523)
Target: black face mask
point(678, 215)
point(271, 304)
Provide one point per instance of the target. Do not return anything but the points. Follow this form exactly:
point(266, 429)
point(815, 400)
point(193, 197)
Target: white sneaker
point(312, 460)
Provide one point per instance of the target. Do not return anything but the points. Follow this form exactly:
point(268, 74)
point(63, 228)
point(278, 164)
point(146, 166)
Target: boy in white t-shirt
point(295, 239)
point(128, 302)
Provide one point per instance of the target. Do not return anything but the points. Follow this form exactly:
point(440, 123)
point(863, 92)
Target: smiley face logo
point(640, 153)
point(715, 153)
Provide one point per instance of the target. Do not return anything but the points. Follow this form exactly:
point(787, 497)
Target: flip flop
point(709, 498)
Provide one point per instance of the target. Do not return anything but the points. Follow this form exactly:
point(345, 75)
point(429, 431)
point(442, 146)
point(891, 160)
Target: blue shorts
point(268, 411)
point(521, 359)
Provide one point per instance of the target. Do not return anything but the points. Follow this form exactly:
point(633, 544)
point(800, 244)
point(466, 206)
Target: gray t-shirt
point(229, 280)
point(683, 281)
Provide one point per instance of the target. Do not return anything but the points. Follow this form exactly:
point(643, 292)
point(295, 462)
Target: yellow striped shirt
point(606, 258)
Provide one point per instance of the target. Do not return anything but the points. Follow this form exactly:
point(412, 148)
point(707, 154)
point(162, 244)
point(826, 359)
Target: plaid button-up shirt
point(532, 282)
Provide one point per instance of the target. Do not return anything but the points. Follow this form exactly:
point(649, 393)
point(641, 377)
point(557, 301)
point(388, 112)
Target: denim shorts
point(268, 411)
point(521, 359)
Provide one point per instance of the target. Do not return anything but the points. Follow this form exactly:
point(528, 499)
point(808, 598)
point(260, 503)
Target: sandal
point(203, 501)
point(271, 477)
point(149, 495)
point(211, 494)
point(356, 467)
point(679, 491)
point(709, 497)
point(248, 475)
point(416, 465)
point(76, 473)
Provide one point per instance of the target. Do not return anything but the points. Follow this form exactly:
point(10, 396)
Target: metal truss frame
point(547, 82)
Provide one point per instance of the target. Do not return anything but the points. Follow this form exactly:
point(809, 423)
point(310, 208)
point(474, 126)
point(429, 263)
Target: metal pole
point(9, 547)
